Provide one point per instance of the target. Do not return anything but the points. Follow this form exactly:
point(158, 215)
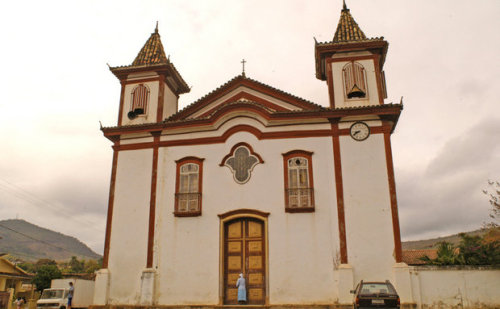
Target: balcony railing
point(299, 199)
point(187, 204)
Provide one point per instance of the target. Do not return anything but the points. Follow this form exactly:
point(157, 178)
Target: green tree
point(44, 274)
point(75, 265)
point(493, 193)
point(474, 250)
point(27, 266)
point(446, 255)
point(91, 266)
point(42, 262)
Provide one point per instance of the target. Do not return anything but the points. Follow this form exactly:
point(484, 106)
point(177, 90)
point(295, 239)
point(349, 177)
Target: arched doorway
point(244, 251)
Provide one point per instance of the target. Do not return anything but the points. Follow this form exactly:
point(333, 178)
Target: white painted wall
point(170, 103)
point(367, 207)
point(303, 247)
point(129, 233)
point(460, 287)
point(188, 255)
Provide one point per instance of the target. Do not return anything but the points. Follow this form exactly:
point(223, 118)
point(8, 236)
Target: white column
point(402, 282)
point(147, 286)
point(346, 283)
point(101, 288)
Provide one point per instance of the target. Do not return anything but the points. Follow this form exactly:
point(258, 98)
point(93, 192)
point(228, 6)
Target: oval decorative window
point(241, 161)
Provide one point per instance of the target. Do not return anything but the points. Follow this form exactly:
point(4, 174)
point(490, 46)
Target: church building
point(300, 198)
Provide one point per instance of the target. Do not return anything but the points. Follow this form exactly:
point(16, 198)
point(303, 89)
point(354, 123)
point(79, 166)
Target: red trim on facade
point(152, 201)
point(141, 81)
point(389, 112)
point(122, 100)
point(179, 163)
point(243, 211)
point(352, 58)
point(111, 200)
point(305, 154)
point(379, 82)
point(373, 130)
point(340, 193)
point(222, 139)
point(161, 96)
point(329, 81)
point(231, 153)
point(324, 51)
point(392, 191)
point(248, 96)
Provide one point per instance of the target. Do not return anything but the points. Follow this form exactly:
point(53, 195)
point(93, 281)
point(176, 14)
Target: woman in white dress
point(242, 292)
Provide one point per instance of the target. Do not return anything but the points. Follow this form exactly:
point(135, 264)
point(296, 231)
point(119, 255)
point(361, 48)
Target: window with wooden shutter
point(299, 189)
point(140, 98)
point(188, 187)
point(354, 80)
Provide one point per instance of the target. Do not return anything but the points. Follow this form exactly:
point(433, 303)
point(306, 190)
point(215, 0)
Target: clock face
point(360, 131)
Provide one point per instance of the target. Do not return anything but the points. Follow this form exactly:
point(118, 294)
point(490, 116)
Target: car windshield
point(376, 288)
point(52, 294)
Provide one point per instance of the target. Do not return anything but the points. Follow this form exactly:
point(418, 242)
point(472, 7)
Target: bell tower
point(151, 85)
point(352, 65)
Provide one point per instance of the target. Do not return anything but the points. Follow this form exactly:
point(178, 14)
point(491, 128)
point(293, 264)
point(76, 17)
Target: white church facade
point(250, 179)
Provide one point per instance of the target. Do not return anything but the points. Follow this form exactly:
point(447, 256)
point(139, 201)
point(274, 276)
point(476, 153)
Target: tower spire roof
point(152, 52)
point(347, 29)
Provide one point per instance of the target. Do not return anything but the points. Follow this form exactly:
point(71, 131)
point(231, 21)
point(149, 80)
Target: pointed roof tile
point(152, 52)
point(347, 29)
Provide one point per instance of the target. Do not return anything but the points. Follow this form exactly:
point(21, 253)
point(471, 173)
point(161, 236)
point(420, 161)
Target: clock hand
point(355, 132)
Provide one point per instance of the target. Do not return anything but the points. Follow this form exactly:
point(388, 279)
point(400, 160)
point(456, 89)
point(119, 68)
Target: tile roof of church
point(347, 29)
point(185, 112)
point(152, 52)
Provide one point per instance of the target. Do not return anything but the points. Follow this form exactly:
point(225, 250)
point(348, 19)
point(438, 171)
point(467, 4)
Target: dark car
point(375, 295)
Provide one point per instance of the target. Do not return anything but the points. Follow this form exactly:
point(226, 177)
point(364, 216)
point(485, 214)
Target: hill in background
point(454, 239)
point(30, 242)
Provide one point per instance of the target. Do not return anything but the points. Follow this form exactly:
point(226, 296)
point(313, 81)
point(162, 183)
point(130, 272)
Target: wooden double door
point(244, 252)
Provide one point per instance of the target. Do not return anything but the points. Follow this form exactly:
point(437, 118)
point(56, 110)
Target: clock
point(360, 131)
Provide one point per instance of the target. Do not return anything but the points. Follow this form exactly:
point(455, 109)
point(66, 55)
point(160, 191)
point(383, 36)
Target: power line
point(44, 242)
point(35, 200)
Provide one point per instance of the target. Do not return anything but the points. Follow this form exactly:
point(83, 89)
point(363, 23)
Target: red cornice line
point(380, 110)
point(243, 128)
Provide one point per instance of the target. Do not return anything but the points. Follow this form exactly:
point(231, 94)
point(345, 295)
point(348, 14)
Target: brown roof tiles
point(152, 52)
point(412, 257)
point(347, 29)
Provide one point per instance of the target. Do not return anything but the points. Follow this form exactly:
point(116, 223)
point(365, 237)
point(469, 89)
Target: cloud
point(446, 197)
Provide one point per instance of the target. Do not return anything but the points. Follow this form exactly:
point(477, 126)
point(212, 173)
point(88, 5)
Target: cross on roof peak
point(243, 67)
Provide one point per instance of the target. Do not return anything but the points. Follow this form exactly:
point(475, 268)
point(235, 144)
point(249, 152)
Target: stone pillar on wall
point(345, 283)
point(101, 287)
point(147, 286)
point(402, 282)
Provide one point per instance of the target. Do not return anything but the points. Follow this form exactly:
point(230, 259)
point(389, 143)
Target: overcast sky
point(55, 164)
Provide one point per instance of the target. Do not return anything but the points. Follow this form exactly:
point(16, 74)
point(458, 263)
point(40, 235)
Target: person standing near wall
point(70, 294)
point(242, 292)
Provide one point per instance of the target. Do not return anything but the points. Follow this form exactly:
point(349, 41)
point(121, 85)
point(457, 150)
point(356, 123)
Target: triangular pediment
point(244, 90)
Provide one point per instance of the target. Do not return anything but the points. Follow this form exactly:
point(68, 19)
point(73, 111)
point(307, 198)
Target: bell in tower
point(151, 85)
point(352, 64)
